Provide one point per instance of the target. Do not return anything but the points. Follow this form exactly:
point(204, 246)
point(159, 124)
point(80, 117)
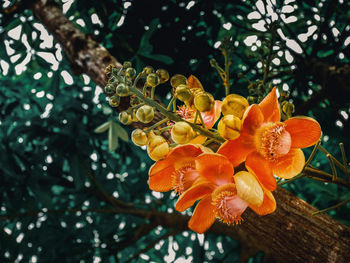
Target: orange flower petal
point(268, 206)
point(289, 165)
point(200, 139)
point(160, 173)
point(203, 216)
point(262, 169)
point(252, 119)
point(215, 167)
point(212, 116)
point(304, 131)
point(270, 107)
point(237, 150)
point(194, 83)
point(197, 191)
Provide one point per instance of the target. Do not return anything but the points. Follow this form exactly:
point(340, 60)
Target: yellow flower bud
point(234, 104)
point(145, 114)
point(152, 80)
point(287, 108)
point(122, 90)
point(134, 118)
point(248, 188)
point(127, 64)
point(148, 70)
point(139, 137)
point(183, 93)
point(157, 147)
point(130, 73)
point(178, 79)
point(182, 132)
point(163, 75)
point(204, 101)
point(110, 89)
point(134, 100)
point(229, 127)
point(125, 117)
point(114, 101)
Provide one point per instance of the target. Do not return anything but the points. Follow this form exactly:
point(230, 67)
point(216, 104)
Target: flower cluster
point(255, 146)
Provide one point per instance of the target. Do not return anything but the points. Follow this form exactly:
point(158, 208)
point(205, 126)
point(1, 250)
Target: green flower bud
point(284, 95)
point(163, 75)
point(183, 93)
point(127, 64)
point(125, 117)
point(287, 108)
point(204, 101)
point(139, 137)
point(152, 80)
point(134, 100)
point(115, 71)
point(122, 90)
point(178, 79)
point(148, 70)
point(145, 114)
point(110, 89)
point(130, 73)
point(114, 101)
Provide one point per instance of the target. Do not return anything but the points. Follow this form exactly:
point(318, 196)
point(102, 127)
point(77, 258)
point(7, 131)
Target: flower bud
point(134, 118)
point(183, 93)
point(114, 101)
point(125, 117)
point(163, 75)
point(148, 70)
point(157, 147)
point(152, 80)
point(178, 79)
point(127, 64)
point(287, 108)
point(248, 188)
point(122, 90)
point(145, 114)
point(229, 127)
point(134, 100)
point(182, 132)
point(110, 89)
point(234, 104)
point(204, 101)
point(139, 137)
point(130, 73)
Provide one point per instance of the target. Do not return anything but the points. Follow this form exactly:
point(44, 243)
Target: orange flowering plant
point(254, 147)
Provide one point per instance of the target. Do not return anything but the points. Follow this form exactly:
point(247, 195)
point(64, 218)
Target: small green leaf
point(103, 127)
point(112, 138)
point(120, 132)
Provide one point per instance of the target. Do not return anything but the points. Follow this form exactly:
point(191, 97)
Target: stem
point(227, 77)
point(174, 117)
point(200, 117)
point(171, 103)
point(312, 155)
point(332, 207)
point(291, 180)
point(269, 58)
point(156, 125)
point(334, 171)
point(336, 162)
point(341, 146)
point(152, 92)
point(316, 174)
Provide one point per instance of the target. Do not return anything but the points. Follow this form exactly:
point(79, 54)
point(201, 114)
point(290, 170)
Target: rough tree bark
point(290, 234)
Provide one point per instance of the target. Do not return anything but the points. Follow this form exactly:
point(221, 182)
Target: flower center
point(183, 178)
point(229, 207)
point(186, 112)
point(272, 140)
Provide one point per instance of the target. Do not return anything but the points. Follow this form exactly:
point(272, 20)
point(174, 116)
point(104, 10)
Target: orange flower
point(269, 146)
point(177, 171)
point(223, 194)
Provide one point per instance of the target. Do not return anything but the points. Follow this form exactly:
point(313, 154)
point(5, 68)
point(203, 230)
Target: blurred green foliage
point(50, 211)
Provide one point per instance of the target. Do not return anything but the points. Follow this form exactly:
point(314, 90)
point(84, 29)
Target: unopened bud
point(127, 64)
point(251, 99)
point(183, 93)
point(139, 137)
point(125, 117)
point(114, 101)
point(110, 89)
point(157, 147)
point(152, 80)
point(145, 114)
point(229, 127)
point(287, 108)
point(234, 104)
point(248, 188)
point(204, 101)
point(163, 75)
point(134, 100)
point(148, 70)
point(284, 95)
point(130, 73)
point(122, 90)
point(182, 132)
point(177, 80)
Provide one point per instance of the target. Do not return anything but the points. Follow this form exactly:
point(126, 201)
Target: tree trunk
point(290, 234)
